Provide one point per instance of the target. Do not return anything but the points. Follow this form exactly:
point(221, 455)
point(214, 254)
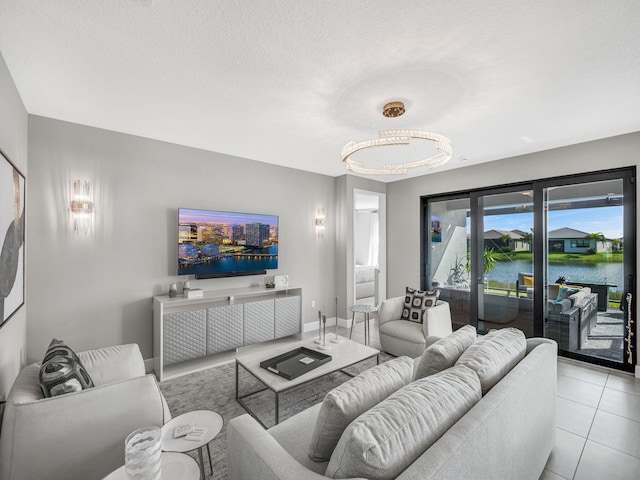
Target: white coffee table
point(343, 355)
point(200, 418)
point(175, 466)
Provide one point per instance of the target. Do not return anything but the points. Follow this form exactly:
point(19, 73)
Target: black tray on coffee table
point(290, 366)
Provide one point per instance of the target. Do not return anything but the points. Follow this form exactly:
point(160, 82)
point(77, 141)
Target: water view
point(506, 273)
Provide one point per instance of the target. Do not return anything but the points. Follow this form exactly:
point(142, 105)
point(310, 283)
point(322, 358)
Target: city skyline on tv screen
point(217, 243)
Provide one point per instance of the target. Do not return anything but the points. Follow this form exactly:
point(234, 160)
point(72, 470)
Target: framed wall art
point(12, 227)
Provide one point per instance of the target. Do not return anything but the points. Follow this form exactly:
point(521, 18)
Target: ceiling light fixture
point(394, 138)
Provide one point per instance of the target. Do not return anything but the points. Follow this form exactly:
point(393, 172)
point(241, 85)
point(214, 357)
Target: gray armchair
point(403, 337)
point(80, 434)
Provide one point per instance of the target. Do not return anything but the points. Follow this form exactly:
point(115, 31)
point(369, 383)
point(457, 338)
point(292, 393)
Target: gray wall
point(96, 290)
point(13, 141)
point(403, 197)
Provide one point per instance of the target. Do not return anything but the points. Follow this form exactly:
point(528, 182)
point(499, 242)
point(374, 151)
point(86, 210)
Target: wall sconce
point(320, 223)
point(81, 207)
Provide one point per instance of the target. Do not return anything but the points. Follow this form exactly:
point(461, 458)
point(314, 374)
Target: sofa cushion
point(385, 440)
point(415, 301)
point(62, 372)
point(445, 352)
point(494, 355)
point(114, 363)
point(346, 402)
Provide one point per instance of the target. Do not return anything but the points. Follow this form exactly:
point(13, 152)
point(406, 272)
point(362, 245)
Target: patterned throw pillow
point(415, 301)
point(61, 371)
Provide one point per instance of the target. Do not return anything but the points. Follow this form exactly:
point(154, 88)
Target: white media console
point(189, 334)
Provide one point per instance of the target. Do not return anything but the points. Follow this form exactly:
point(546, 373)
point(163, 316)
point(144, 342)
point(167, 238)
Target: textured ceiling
point(289, 82)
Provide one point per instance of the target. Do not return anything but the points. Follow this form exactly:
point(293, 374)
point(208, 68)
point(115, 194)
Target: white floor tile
point(579, 391)
point(566, 453)
point(548, 475)
point(616, 432)
point(599, 463)
point(620, 403)
point(583, 372)
point(624, 383)
point(574, 417)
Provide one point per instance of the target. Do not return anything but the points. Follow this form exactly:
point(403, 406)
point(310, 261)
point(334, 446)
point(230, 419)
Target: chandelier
point(394, 138)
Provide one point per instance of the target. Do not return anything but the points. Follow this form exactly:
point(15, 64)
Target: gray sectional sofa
point(489, 416)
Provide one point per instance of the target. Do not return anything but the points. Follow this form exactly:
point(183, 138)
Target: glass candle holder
point(142, 451)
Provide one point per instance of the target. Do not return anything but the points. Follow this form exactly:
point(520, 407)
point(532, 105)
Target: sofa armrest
point(112, 364)
point(253, 453)
point(77, 435)
point(436, 321)
point(390, 309)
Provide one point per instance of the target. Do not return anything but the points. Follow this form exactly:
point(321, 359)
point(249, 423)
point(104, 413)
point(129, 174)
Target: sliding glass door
point(448, 266)
point(552, 257)
point(589, 245)
point(505, 260)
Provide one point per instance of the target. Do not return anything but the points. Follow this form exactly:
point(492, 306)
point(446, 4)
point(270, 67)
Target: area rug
point(214, 389)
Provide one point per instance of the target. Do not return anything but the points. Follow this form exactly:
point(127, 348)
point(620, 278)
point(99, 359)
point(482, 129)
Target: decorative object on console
point(193, 293)
point(81, 206)
point(173, 290)
point(12, 256)
point(250, 245)
point(395, 138)
point(142, 454)
point(281, 280)
point(62, 372)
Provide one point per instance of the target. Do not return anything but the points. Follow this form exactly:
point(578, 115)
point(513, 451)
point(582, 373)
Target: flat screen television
point(224, 244)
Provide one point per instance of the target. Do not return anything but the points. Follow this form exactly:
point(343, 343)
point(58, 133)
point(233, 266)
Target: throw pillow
point(445, 352)
point(494, 355)
point(62, 372)
point(382, 442)
point(565, 292)
point(528, 281)
point(415, 301)
point(348, 401)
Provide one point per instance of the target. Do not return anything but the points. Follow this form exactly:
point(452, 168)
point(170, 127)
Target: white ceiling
point(289, 82)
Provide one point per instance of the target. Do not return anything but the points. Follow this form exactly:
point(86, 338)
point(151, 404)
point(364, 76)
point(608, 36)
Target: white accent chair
point(403, 337)
point(80, 434)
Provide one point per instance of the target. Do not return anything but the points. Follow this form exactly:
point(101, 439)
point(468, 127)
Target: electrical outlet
point(313, 304)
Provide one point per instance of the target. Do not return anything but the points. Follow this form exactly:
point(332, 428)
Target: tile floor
point(598, 425)
point(598, 421)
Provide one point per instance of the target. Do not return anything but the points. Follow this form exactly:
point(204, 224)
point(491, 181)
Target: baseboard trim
point(148, 365)
point(331, 322)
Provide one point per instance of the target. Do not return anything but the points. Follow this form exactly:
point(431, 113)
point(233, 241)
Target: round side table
point(175, 466)
point(200, 418)
point(366, 310)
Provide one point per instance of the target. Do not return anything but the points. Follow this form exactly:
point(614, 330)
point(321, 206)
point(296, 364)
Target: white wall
point(403, 197)
point(96, 290)
point(13, 141)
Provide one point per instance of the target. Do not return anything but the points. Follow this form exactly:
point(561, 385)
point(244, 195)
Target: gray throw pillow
point(383, 442)
point(62, 372)
point(494, 355)
point(445, 352)
point(346, 402)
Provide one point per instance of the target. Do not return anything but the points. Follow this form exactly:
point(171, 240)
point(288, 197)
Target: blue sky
point(607, 220)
